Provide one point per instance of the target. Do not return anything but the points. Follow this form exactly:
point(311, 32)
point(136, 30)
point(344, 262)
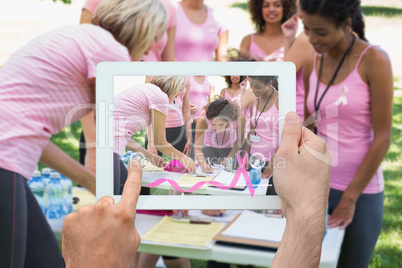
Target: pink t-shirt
point(346, 123)
point(267, 128)
point(174, 117)
point(222, 139)
point(256, 53)
point(133, 110)
point(91, 5)
point(199, 94)
point(155, 53)
point(300, 94)
point(197, 42)
point(41, 85)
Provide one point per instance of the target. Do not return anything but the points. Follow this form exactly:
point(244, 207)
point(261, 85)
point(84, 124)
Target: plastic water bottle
point(37, 187)
point(255, 173)
point(55, 197)
point(125, 159)
point(46, 175)
point(67, 194)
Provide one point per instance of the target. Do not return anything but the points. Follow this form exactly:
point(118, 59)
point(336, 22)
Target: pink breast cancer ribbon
point(241, 170)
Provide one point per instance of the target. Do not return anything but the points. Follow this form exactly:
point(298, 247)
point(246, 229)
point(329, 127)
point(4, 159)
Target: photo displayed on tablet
point(201, 135)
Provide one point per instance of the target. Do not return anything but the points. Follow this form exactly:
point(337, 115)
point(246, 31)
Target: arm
point(300, 51)
point(220, 52)
point(53, 157)
point(187, 120)
point(86, 16)
point(247, 147)
point(241, 126)
point(222, 94)
point(150, 135)
point(199, 143)
point(163, 146)
point(211, 94)
point(289, 30)
point(245, 47)
point(307, 159)
point(168, 53)
point(380, 79)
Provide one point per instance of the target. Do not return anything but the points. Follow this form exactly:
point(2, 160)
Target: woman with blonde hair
point(48, 77)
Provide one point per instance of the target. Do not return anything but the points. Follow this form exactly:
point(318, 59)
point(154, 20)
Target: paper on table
point(183, 233)
point(188, 180)
point(149, 167)
point(251, 225)
point(226, 178)
point(85, 198)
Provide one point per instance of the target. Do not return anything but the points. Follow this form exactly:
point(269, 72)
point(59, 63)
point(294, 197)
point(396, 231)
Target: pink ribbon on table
point(241, 170)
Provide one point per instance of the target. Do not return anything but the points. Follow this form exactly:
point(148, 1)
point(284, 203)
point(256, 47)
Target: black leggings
point(26, 239)
point(176, 136)
point(362, 233)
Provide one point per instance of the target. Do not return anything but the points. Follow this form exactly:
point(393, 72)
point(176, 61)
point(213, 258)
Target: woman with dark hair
point(263, 138)
point(349, 87)
point(219, 133)
point(236, 86)
point(267, 44)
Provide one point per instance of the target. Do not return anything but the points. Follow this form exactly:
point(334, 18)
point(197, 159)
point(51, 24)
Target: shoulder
point(375, 55)
point(202, 122)
point(246, 40)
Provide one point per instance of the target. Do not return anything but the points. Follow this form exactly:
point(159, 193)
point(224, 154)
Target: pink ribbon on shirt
point(241, 170)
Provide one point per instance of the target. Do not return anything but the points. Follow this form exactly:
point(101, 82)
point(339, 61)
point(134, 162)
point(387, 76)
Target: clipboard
point(238, 241)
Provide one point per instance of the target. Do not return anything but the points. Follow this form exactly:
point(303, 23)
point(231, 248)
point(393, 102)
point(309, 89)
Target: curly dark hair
point(271, 79)
point(229, 81)
point(255, 9)
point(338, 11)
point(222, 108)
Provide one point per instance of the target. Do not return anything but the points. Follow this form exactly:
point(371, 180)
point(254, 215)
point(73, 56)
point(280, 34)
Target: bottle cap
point(46, 171)
point(55, 175)
point(36, 173)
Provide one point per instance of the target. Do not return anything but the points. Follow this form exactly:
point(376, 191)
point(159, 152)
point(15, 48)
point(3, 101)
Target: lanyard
point(256, 110)
point(317, 105)
point(223, 140)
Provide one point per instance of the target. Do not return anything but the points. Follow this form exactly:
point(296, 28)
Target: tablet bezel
point(105, 73)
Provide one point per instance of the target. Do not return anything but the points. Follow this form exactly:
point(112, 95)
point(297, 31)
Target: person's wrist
point(311, 221)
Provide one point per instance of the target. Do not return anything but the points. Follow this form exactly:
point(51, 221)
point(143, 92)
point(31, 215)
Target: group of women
point(344, 91)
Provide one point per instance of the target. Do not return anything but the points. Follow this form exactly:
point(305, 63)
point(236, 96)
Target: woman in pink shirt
point(135, 109)
point(349, 91)
point(40, 86)
point(267, 44)
point(219, 134)
point(263, 139)
point(199, 34)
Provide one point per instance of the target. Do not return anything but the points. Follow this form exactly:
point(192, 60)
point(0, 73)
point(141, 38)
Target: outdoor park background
point(22, 20)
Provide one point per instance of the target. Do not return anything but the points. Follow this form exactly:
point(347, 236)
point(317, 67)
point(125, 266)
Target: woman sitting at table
point(135, 108)
point(219, 133)
point(263, 139)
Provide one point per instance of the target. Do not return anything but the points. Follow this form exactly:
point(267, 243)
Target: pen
point(191, 221)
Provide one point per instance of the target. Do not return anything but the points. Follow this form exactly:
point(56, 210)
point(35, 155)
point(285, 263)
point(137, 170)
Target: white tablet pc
point(113, 78)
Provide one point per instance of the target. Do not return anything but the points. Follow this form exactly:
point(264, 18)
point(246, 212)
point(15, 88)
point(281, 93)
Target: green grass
point(379, 11)
point(240, 5)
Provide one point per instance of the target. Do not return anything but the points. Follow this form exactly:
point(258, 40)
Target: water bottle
point(46, 175)
point(67, 195)
point(125, 159)
point(37, 187)
point(55, 197)
point(255, 173)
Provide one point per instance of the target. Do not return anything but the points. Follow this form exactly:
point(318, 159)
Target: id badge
point(255, 138)
point(173, 107)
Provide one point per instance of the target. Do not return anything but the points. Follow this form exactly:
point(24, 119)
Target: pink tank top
point(223, 139)
point(199, 94)
point(267, 129)
point(197, 42)
point(155, 53)
point(300, 94)
point(346, 123)
point(258, 54)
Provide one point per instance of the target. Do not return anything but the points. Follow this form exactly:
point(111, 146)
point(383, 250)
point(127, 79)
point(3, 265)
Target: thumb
point(291, 134)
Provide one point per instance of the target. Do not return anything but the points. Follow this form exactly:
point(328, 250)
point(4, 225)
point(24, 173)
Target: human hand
point(206, 168)
point(266, 174)
point(182, 212)
point(90, 159)
point(187, 148)
point(343, 214)
point(243, 85)
point(214, 213)
point(193, 109)
point(104, 235)
point(302, 158)
point(289, 27)
point(157, 161)
point(188, 163)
